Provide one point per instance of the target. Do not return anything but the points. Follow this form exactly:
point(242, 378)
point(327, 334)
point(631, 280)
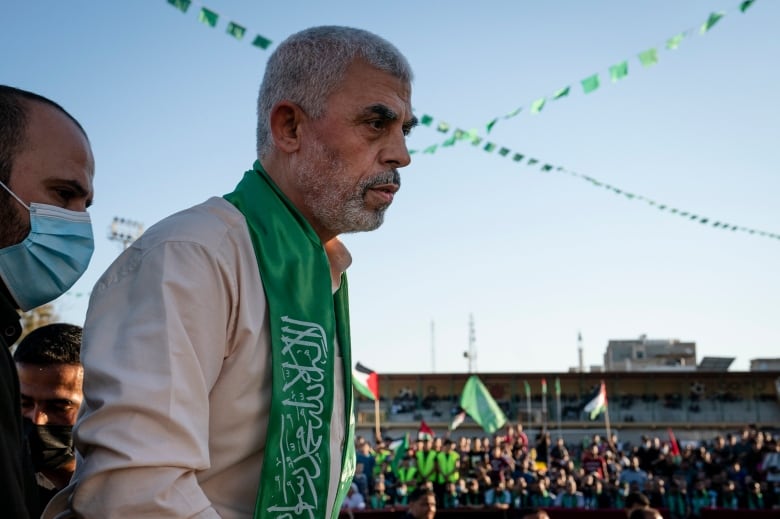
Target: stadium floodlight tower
point(125, 231)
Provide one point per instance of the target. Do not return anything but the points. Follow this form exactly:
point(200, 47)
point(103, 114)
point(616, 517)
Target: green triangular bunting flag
point(591, 83)
point(561, 92)
point(181, 5)
point(261, 42)
point(208, 17)
point(711, 21)
point(236, 30)
point(648, 58)
point(619, 71)
point(537, 105)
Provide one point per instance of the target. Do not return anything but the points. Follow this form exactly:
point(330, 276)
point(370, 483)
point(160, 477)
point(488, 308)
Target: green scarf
point(306, 320)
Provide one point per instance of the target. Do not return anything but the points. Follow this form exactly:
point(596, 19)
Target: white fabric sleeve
point(154, 342)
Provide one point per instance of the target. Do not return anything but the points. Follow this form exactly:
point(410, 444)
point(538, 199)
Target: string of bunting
point(211, 18)
point(591, 83)
point(617, 72)
point(546, 167)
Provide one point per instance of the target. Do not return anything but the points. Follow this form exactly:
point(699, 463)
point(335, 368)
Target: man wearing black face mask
point(50, 378)
point(46, 170)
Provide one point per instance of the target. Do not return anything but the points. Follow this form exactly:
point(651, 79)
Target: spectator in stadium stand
point(380, 498)
point(727, 497)
point(478, 456)
point(401, 496)
point(559, 454)
point(360, 479)
point(539, 496)
point(422, 504)
point(407, 473)
point(543, 448)
point(635, 500)
point(448, 463)
point(354, 499)
point(700, 498)
point(519, 493)
point(594, 462)
point(634, 474)
point(451, 497)
point(570, 497)
point(500, 463)
point(754, 498)
point(532, 513)
point(365, 456)
point(473, 498)
point(497, 496)
point(426, 462)
point(618, 493)
point(676, 501)
point(594, 495)
point(381, 455)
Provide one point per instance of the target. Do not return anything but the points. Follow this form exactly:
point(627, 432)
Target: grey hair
point(308, 66)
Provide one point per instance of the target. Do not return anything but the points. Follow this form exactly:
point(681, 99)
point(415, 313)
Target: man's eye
point(377, 124)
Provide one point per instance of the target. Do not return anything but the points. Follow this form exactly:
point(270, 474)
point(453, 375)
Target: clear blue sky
point(536, 257)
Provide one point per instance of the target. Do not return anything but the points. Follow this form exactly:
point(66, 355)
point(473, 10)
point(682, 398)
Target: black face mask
point(51, 446)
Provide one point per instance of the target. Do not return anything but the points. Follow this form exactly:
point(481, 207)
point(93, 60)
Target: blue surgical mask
point(51, 259)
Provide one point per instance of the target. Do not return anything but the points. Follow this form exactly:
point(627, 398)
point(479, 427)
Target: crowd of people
point(507, 470)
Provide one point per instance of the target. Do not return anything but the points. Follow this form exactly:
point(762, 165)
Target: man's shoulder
point(206, 223)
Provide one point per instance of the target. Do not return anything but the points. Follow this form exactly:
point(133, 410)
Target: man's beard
point(14, 227)
point(335, 203)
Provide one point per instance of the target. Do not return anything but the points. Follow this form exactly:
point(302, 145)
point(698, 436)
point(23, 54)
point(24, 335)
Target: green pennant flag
point(431, 149)
point(744, 6)
point(648, 58)
point(261, 42)
point(531, 162)
point(544, 386)
point(449, 142)
point(489, 147)
point(711, 21)
point(426, 120)
point(547, 167)
point(674, 42)
point(236, 30)
point(527, 388)
point(398, 449)
point(537, 105)
point(557, 386)
point(561, 92)
point(460, 134)
point(513, 113)
point(590, 83)
point(517, 157)
point(491, 124)
point(181, 5)
point(503, 152)
point(480, 406)
point(208, 17)
point(619, 71)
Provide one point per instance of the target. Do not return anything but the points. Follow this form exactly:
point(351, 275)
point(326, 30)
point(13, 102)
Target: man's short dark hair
point(57, 343)
point(636, 499)
point(14, 109)
point(420, 492)
point(644, 513)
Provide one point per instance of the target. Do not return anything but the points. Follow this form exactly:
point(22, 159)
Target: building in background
point(645, 354)
point(765, 364)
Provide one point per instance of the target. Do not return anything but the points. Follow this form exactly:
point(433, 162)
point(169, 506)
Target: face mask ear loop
point(14, 195)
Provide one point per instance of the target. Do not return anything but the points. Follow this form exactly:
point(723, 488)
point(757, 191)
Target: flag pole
point(558, 408)
point(606, 416)
point(376, 420)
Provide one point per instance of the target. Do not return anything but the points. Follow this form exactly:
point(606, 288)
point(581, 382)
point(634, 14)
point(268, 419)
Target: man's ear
point(286, 118)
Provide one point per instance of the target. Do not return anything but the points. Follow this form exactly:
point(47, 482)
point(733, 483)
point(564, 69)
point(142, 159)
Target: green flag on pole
point(480, 406)
point(261, 42)
point(527, 388)
point(557, 386)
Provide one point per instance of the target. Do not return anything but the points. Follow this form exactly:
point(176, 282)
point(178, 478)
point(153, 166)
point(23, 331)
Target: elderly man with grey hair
point(216, 348)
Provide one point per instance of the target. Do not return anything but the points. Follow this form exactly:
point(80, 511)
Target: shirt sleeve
point(154, 341)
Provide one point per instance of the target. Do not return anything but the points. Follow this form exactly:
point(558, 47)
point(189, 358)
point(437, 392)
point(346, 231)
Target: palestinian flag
point(425, 432)
point(398, 448)
point(458, 419)
point(598, 404)
point(366, 381)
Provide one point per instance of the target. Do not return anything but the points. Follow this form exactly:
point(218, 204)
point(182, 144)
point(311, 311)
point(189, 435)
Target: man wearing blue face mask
point(46, 171)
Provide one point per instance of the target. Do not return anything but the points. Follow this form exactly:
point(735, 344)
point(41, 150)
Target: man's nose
point(38, 415)
point(396, 154)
